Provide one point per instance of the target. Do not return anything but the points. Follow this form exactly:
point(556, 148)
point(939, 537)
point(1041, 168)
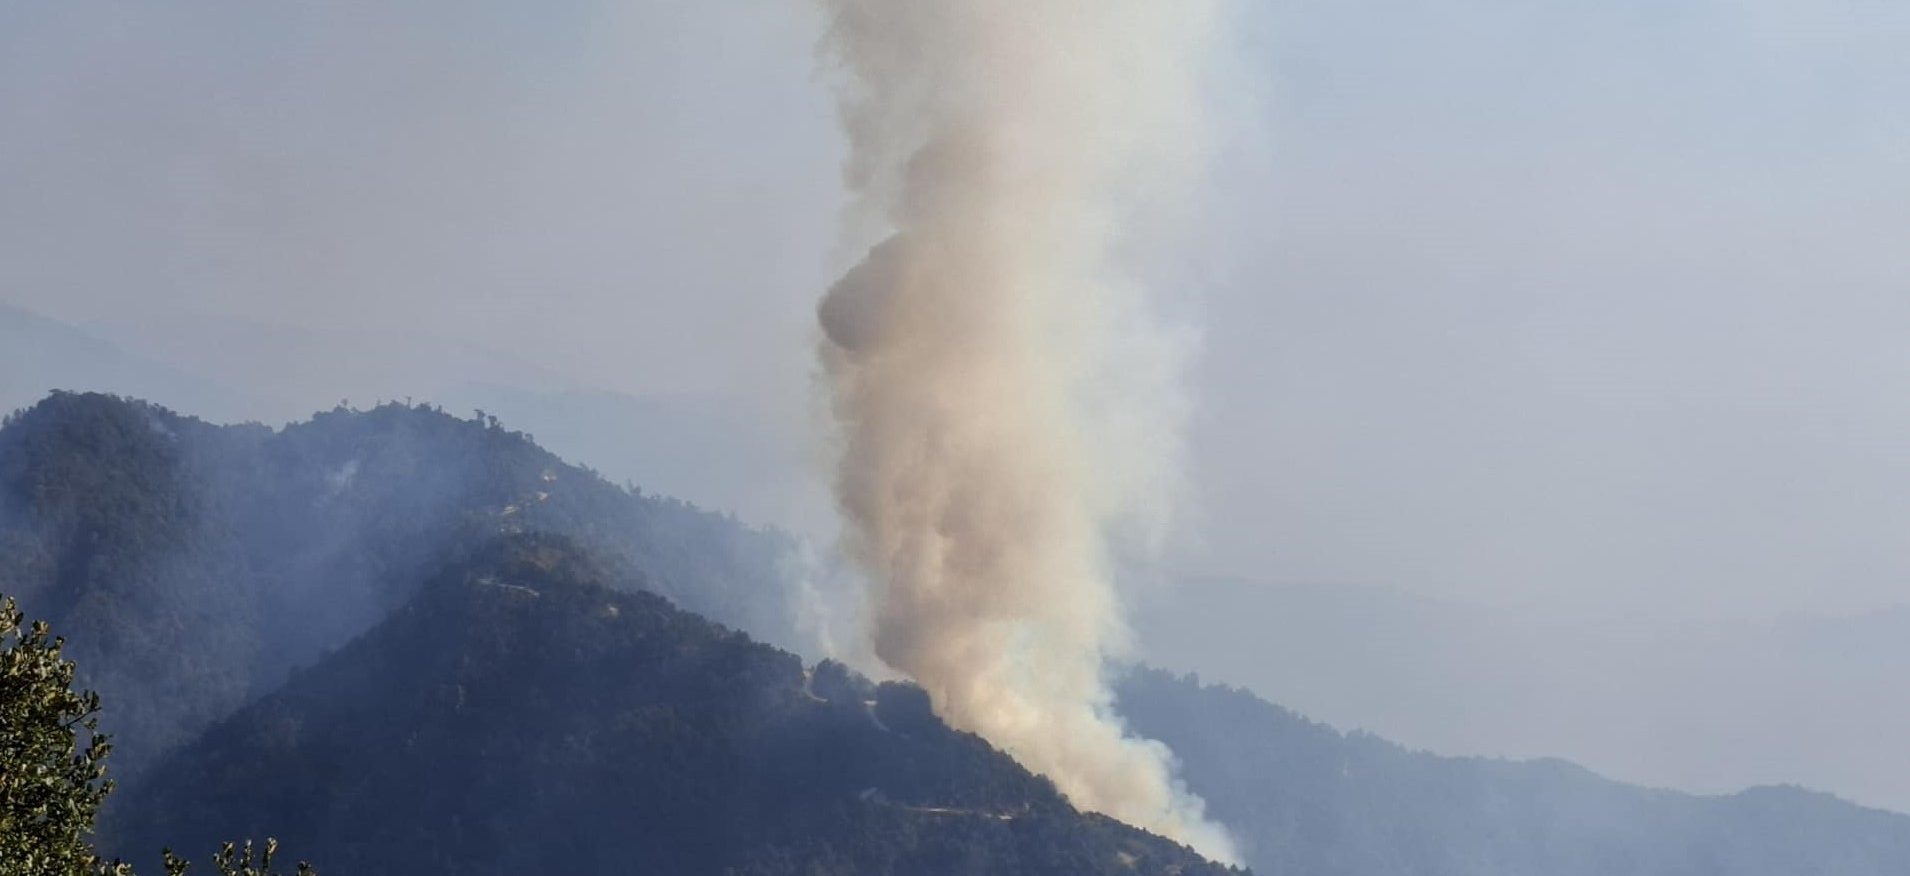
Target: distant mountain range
point(38, 355)
point(1306, 798)
point(1710, 706)
point(226, 370)
point(405, 641)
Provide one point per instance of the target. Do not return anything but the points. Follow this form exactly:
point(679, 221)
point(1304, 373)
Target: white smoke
point(1004, 401)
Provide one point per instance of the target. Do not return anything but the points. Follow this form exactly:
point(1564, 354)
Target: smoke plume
point(1004, 401)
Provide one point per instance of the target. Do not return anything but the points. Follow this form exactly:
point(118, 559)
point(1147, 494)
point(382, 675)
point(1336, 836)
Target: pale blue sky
point(1596, 305)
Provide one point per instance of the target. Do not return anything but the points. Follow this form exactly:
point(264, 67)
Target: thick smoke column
point(1003, 399)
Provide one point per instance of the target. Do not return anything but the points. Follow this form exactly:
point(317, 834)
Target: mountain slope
point(172, 551)
point(106, 531)
point(196, 567)
point(1305, 798)
point(521, 716)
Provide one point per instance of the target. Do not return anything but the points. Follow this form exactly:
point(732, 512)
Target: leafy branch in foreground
point(53, 766)
point(239, 861)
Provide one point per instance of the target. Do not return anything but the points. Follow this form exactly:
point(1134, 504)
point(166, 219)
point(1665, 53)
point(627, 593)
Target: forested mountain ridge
point(192, 566)
point(1303, 797)
point(527, 712)
point(195, 568)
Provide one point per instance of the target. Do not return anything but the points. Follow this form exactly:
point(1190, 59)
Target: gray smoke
point(1004, 400)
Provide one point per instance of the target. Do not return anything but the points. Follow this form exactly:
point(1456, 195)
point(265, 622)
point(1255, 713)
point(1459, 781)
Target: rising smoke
point(1004, 400)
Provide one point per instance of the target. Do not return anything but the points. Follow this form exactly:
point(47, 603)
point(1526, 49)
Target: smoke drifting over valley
point(1003, 397)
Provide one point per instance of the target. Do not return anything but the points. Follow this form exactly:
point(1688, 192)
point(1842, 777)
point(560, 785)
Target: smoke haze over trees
point(538, 643)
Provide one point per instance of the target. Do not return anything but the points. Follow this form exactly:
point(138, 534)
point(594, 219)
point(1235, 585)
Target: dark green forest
point(192, 566)
point(407, 641)
point(525, 708)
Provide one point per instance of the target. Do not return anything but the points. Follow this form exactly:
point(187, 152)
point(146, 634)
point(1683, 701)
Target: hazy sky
point(1590, 306)
point(1595, 304)
point(640, 193)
